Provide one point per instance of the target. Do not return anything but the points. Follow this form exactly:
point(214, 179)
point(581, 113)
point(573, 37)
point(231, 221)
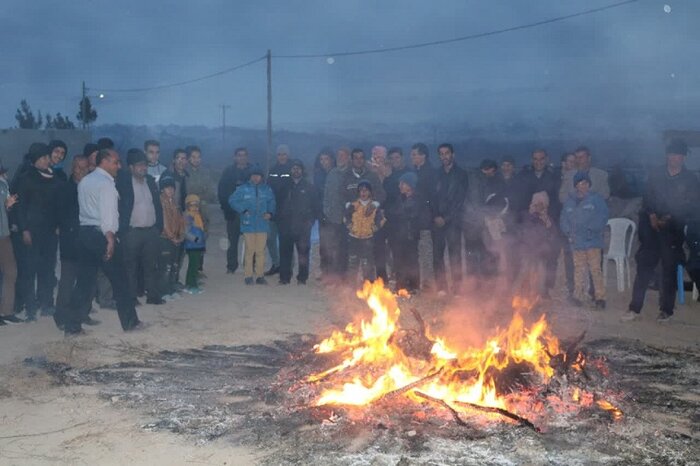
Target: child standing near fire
point(583, 221)
point(363, 218)
point(194, 242)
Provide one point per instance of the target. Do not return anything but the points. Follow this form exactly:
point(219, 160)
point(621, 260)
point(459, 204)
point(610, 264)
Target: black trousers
point(67, 289)
point(406, 268)
point(302, 241)
point(233, 231)
point(20, 252)
point(361, 259)
point(326, 245)
point(167, 266)
point(93, 245)
point(669, 251)
point(36, 275)
point(141, 248)
point(380, 253)
point(449, 236)
point(337, 238)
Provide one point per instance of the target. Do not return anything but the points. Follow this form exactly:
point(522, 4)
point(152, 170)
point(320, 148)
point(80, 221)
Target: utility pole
point(223, 125)
point(269, 111)
point(82, 106)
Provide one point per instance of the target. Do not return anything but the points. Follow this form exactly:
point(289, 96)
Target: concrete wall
point(14, 143)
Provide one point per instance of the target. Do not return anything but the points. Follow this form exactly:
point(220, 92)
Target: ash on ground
point(254, 395)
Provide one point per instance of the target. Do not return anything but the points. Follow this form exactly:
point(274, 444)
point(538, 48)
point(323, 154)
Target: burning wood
point(382, 361)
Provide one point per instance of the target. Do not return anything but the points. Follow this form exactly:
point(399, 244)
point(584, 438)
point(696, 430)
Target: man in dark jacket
point(69, 226)
point(233, 177)
point(540, 176)
point(37, 220)
point(447, 210)
point(140, 224)
point(279, 178)
point(671, 197)
point(425, 188)
point(358, 171)
point(178, 172)
point(296, 213)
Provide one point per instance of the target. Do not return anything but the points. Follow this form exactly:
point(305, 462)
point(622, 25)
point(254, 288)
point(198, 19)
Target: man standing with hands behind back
point(99, 223)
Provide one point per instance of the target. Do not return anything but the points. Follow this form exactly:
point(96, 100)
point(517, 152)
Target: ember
point(509, 375)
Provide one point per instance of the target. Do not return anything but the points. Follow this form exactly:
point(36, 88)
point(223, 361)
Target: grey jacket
point(333, 196)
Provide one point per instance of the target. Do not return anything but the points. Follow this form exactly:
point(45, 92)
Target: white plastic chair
point(622, 232)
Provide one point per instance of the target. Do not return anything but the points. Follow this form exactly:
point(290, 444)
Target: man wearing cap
point(37, 220)
point(140, 224)
point(231, 179)
point(447, 213)
point(98, 201)
point(583, 221)
point(669, 203)
point(296, 214)
point(279, 179)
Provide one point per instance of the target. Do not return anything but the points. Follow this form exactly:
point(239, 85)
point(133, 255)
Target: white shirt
point(99, 201)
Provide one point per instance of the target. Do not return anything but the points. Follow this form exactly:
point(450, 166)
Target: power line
point(189, 81)
point(462, 38)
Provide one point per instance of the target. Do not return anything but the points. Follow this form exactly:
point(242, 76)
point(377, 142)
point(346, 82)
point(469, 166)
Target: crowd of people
point(123, 232)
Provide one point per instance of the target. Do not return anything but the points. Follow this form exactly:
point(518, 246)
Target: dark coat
point(674, 196)
point(231, 179)
point(280, 180)
point(391, 188)
point(427, 180)
point(38, 201)
point(299, 209)
point(408, 216)
point(125, 188)
point(450, 194)
point(529, 183)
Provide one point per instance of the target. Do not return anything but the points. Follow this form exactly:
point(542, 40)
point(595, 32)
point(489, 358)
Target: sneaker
point(2, 322)
point(260, 281)
point(629, 316)
point(663, 317)
point(30, 318)
point(283, 282)
point(600, 304)
point(274, 270)
point(301, 282)
point(73, 333)
point(249, 280)
point(155, 301)
point(12, 319)
point(90, 321)
point(193, 290)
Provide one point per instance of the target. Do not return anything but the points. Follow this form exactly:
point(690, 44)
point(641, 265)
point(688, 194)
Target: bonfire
point(520, 371)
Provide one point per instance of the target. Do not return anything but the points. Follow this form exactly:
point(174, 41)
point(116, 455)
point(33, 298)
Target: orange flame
point(614, 411)
point(375, 365)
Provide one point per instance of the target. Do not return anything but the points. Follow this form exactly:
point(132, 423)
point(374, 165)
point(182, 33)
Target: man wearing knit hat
point(296, 214)
point(279, 179)
point(670, 202)
point(140, 224)
point(37, 220)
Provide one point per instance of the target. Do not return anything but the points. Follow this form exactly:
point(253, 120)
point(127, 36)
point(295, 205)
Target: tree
point(86, 114)
point(61, 122)
point(25, 117)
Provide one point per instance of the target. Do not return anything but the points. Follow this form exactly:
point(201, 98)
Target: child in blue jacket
point(583, 221)
point(194, 242)
point(255, 203)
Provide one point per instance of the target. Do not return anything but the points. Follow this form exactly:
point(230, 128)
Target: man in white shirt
point(99, 248)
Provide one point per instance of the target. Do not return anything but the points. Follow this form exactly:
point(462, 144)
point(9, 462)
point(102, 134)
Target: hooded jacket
point(583, 221)
point(252, 201)
point(231, 179)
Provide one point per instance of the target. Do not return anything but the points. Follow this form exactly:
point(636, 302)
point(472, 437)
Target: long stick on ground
point(410, 386)
point(503, 412)
point(442, 403)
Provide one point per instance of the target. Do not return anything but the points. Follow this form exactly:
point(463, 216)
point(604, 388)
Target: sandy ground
point(45, 423)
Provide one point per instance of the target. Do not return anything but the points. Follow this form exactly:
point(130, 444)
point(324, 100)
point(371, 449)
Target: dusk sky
point(635, 61)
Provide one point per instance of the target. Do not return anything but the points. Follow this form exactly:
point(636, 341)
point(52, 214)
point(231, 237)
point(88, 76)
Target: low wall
point(15, 142)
